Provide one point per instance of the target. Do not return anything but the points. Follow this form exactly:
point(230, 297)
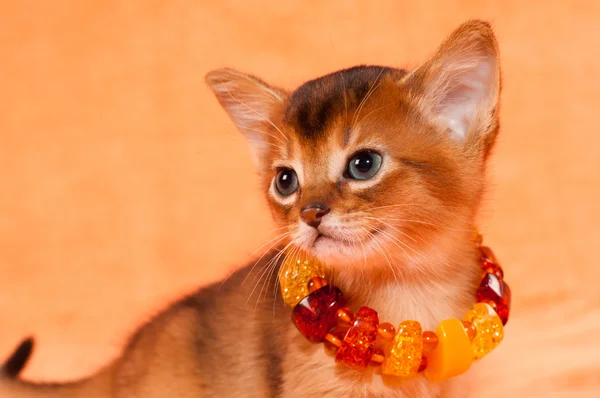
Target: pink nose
point(312, 214)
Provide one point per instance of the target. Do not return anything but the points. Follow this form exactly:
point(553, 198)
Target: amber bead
point(477, 238)
point(470, 329)
point(344, 315)
point(405, 354)
point(315, 314)
point(296, 272)
point(488, 255)
point(359, 344)
point(315, 283)
point(489, 329)
point(423, 364)
point(495, 290)
point(386, 331)
point(430, 340)
point(377, 358)
point(453, 354)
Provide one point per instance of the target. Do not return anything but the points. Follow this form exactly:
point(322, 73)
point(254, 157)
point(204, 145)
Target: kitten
point(379, 173)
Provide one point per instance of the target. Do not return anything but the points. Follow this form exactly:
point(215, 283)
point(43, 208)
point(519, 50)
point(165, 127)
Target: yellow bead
point(488, 329)
point(404, 357)
point(296, 271)
point(453, 355)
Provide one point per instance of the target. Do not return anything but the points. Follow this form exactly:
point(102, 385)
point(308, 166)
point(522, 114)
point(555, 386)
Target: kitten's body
point(399, 241)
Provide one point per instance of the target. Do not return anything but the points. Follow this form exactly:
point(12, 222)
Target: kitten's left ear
point(459, 87)
point(251, 104)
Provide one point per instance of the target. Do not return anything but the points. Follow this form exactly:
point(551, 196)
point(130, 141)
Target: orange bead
point(377, 358)
point(404, 356)
point(316, 283)
point(430, 340)
point(470, 329)
point(488, 255)
point(386, 331)
point(359, 343)
point(453, 355)
point(423, 364)
point(344, 315)
point(333, 340)
point(477, 238)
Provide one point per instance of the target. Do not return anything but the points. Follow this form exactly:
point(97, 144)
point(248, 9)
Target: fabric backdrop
point(124, 185)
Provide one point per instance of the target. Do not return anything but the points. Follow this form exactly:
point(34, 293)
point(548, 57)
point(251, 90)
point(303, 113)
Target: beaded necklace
point(359, 340)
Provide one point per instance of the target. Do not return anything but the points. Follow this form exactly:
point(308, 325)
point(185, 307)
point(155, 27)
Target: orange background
point(123, 184)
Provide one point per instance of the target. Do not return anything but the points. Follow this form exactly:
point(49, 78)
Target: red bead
point(359, 344)
point(315, 314)
point(489, 263)
point(495, 290)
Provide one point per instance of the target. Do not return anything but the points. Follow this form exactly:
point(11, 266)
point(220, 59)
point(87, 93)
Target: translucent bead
point(344, 315)
point(430, 340)
point(405, 355)
point(453, 355)
point(377, 358)
point(315, 315)
point(359, 344)
point(315, 283)
point(296, 272)
point(494, 290)
point(490, 263)
point(488, 328)
point(386, 331)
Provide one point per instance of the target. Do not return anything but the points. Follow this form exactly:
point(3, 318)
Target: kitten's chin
point(339, 252)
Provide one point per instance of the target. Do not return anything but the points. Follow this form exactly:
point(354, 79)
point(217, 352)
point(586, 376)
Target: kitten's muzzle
point(312, 214)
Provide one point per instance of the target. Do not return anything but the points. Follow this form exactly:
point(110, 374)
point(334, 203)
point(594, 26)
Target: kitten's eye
point(286, 182)
point(364, 165)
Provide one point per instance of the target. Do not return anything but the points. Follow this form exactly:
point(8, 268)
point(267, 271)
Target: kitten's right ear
point(250, 103)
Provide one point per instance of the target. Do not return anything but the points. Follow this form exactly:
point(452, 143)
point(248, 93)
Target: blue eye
point(286, 182)
point(364, 165)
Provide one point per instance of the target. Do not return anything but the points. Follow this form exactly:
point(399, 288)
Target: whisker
point(233, 271)
point(375, 241)
point(278, 239)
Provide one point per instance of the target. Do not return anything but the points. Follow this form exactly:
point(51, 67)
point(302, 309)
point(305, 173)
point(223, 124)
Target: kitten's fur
point(434, 127)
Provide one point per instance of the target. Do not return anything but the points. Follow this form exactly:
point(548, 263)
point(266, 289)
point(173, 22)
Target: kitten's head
point(371, 161)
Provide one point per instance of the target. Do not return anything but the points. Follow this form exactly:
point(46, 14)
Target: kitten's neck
point(443, 289)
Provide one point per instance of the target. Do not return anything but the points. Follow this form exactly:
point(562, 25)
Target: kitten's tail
point(11, 387)
point(17, 361)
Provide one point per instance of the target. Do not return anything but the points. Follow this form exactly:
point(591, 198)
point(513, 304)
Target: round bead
point(386, 331)
point(377, 358)
point(295, 273)
point(470, 329)
point(359, 344)
point(488, 255)
point(430, 340)
point(488, 327)
point(315, 283)
point(423, 364)
point(404, 357)
point(477, 238)
point(344, 315)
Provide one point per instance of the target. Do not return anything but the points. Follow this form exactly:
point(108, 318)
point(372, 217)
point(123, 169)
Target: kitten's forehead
point(317, 104)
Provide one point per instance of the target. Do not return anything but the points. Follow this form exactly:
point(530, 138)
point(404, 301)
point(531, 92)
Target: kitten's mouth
point(322, 237)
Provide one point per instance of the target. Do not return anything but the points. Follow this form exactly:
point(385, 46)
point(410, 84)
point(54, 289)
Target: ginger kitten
point(379, 173)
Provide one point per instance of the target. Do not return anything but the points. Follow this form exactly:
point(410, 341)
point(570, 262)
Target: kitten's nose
point(312, 214)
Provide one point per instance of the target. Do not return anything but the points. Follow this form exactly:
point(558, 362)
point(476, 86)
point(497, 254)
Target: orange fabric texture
point(124, 184)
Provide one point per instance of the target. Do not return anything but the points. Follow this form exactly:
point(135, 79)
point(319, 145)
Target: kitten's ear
point(459, 87)
point(250, 103)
